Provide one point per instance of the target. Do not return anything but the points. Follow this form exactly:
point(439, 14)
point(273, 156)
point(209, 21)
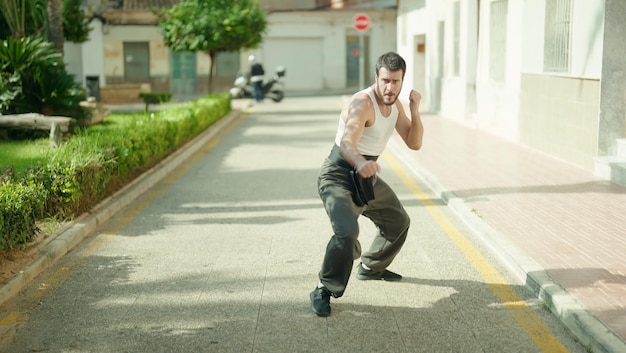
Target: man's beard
point(382, 97)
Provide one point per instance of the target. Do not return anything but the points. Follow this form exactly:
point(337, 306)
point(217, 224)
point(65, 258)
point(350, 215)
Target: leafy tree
point(212, 26)
point(75, 25)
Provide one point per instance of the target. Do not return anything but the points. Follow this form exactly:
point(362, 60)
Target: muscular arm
point(411, 130)
point(358, 114)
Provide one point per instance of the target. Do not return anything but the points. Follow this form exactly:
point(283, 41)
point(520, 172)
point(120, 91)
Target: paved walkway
point(560, 227)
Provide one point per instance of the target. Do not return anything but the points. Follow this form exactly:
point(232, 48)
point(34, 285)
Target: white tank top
point(375, 137)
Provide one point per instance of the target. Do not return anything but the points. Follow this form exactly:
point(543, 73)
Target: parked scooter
point(272, 88)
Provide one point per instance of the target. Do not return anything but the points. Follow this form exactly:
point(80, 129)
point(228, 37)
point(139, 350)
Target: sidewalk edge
point(590, 331)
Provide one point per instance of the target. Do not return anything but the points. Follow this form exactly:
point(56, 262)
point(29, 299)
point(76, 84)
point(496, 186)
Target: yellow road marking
point(517, 306)
point(12, 318)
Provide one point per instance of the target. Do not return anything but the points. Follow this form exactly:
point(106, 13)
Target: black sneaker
point(320, 301)
point(385, 275)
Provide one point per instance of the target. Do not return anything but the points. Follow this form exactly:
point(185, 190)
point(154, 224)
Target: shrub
point(36, 80)
point(21, 205)
point(155, 98)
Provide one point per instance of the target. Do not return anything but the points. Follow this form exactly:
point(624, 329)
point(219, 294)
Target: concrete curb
point(593, 333)
point(85, 224)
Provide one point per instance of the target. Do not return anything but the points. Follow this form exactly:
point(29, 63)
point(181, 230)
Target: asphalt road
point(220, 256)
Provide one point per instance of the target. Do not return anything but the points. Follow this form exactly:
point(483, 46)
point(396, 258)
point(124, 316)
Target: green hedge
point(97, 161)
point(155, 98)
point(21, 205)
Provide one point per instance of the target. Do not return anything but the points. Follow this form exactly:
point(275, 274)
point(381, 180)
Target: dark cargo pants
point(385, 211)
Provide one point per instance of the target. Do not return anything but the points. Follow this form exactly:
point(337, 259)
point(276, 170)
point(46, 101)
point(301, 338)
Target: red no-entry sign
point(361, 22)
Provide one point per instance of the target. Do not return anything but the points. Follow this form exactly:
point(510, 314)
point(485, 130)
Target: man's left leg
point(392, 222)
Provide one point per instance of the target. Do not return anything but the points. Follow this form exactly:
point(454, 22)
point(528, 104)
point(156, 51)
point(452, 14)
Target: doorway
point(136, 62)
point(353, 68)
point(183, 74)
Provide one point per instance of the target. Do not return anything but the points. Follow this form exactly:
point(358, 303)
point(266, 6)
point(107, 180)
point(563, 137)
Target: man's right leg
point(337, 263)
point(258, 91)
point(340, 250)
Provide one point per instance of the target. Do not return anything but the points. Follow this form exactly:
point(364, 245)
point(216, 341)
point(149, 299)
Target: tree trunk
point(55, 24)
point(212, 55)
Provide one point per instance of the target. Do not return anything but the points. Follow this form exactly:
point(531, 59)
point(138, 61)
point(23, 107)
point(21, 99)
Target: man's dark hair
point(392, 62)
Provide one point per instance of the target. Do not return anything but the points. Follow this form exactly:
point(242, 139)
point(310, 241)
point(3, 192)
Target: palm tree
point(13, 13)
point(55, 24)
point(23, 17)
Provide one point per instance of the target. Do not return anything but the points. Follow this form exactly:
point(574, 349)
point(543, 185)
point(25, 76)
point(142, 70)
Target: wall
point(613, 111)
point(287, 4)
point(412, 28)
point(555, 113)
point(457, 90)
point(497, 102)
point(559, 113)
point(559, 116)
point(73, 58)
point(318, 40)
point(86, 59)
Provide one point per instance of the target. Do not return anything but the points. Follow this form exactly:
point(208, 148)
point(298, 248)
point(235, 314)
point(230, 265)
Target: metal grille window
point(497, 40)
point(556, 49)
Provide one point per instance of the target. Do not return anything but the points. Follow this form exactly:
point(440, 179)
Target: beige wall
point(559, 116)
point(159, 58)
point(113, 58)
point(288, 4)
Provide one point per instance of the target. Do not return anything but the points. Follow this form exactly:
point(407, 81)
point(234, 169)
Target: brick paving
point(568, 221)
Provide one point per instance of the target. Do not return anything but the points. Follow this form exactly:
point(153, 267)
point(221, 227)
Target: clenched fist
point(414, 101)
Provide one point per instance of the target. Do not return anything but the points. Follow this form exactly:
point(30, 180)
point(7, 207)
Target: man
point(365, 126)
point(257, 74)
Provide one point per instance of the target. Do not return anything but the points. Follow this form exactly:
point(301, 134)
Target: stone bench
point(57, 125)
point(97, 112)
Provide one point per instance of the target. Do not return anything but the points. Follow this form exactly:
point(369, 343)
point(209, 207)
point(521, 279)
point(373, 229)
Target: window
point(497, 40)
point(137, 61)
point(556, 49)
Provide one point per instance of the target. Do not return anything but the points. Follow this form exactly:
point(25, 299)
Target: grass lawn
point(24, 154)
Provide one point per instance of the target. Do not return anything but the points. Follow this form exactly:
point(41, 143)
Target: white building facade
point(542, 73)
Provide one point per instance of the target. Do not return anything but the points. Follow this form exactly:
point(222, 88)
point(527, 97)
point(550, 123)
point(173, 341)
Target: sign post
point(361, 22)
